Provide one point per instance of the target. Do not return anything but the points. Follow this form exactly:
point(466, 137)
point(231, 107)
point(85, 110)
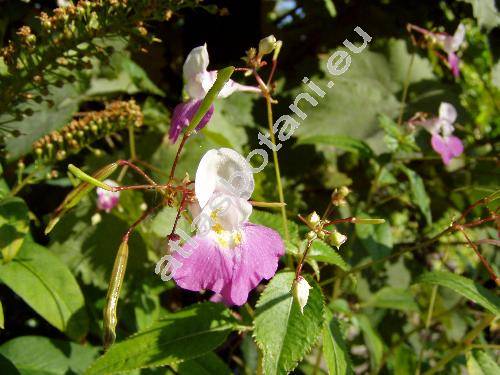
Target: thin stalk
point(131, 137)
point(277, 168)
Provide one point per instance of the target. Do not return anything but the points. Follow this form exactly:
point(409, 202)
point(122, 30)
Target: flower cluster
point(84, 131)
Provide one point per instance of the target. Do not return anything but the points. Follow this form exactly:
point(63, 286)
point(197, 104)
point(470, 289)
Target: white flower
point(198, 80)
point(452, 43)
point(443, 124)
point(301, 292)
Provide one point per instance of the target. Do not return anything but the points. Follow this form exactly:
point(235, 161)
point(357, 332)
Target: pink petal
point(255, 259)
point(448, 147)
point(208, 267)
point(183, 114)
point(453, 61)
point(232, 273)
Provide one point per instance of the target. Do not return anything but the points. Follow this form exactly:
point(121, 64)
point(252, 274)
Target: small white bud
point(313, 219)
point(267, 45)
point(301, 292)
point(96, 218)
point(337, 239)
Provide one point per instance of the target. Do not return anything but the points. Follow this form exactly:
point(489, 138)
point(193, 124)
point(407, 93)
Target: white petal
point(196, 62)
point(458, 37)
point(447, 112)
point(223, 170)
point(197, 86)
point(228, 211)
point(232, 86)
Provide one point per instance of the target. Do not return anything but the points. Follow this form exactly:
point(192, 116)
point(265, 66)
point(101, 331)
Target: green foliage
point(464, 286)
point(47, 356)
point(480, 363)
point(14, 226)
point(341, 142)
point(175, 338)
point(47, 285)
point(282, 333)
point(334, 347)
point(393, 298)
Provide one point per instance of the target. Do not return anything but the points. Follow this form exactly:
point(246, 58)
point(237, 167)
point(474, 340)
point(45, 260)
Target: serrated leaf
point(373, 341)
point(47, 356)
point(46, 284)
point(14, 226)
point(335, 349)
point(485, 12)
point(393, 298)
point(465, 287)
point(418, 193)
point(282, 333)
point(480, 363)
point(184, 335)
point(343, 142)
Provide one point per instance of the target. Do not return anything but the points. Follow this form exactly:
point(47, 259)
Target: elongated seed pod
point(115, 285)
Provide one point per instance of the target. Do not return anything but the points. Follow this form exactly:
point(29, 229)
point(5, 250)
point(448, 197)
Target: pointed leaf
point(335, 349)
point(47, 285)
point(464, 286)
point(282, 333)
point(184, 335)
point(14, 226)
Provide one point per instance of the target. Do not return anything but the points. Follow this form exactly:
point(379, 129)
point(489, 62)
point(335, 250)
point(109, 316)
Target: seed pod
point(115, 285)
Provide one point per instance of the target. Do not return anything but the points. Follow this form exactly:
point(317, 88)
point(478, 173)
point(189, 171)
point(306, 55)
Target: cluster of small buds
point(84, 131)
point(316, 224)
point(67, 40)
point(267, 45)
point(339, 195)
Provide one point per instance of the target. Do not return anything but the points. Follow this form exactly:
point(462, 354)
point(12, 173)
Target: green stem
point(277, 167)
point(131, 137)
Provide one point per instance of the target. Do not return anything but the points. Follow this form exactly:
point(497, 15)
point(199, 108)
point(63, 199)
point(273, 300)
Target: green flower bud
point(336, 239)
point(267, 45)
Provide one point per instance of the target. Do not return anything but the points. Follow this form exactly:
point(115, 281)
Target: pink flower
point(107, 200)
point(198, 80)
point(451, 44)
point(230, 256)
point(441, 129)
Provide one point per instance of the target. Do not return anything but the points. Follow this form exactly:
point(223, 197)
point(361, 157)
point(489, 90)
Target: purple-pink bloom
point(107, 200)
point(441, 128)
point(183, 114)
point(230, 256)
point(197, 81)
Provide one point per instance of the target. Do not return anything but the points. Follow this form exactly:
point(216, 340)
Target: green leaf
point(205, 365)
point(282, 333)
point(4, 188)
point(44, 120)
point(372, 341)
point(335, 350)
point(321, 252)
point(275, 222)
point(393, 298)
point(14, 226)
point(376, 239)
point(485, 12)
point(403, 361)
point(418, 192)
point(397, 138)
point(480, 363)
point(465, 287)
point(184, 335)
point(47, 285)
point(36, 355)
point(343, 142)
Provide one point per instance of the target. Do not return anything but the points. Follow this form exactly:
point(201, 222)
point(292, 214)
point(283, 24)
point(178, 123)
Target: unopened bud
point(311, 236)
point(301, 292)
point(267, 45)
point(313, 219)
point(339, 195)
point(277, 49)
point(336, 239)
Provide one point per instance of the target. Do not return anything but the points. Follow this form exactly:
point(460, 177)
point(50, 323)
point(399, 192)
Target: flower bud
point(311, 236)
point(336, 239)
point(267, 45)
point(313, 219)
point(339, 195)
point(107, 200)
point(301, 292)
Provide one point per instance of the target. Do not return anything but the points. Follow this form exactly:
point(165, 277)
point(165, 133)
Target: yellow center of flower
point(227, 239)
